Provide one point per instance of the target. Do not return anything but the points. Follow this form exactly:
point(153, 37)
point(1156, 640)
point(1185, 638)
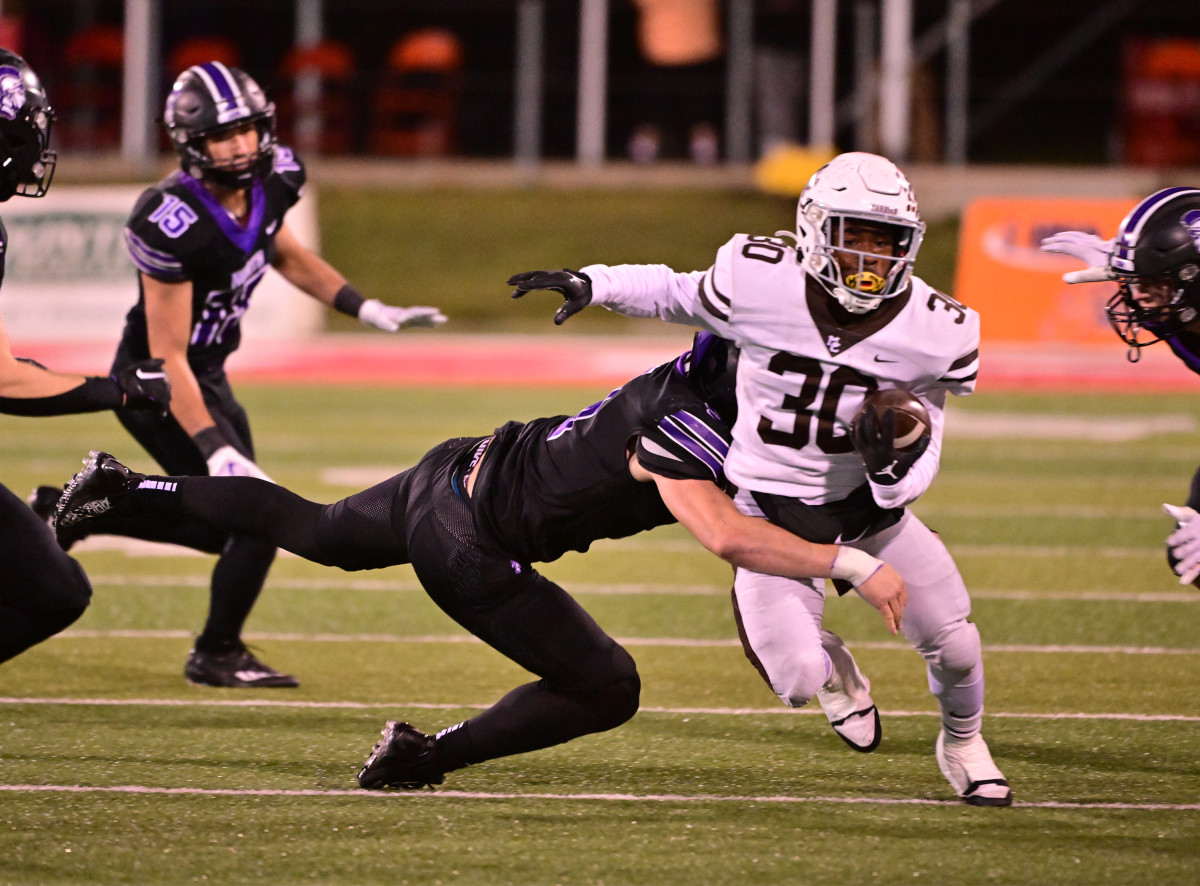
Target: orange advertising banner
point(1016, 288)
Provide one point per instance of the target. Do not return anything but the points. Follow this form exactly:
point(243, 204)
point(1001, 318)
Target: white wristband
point(853, 565)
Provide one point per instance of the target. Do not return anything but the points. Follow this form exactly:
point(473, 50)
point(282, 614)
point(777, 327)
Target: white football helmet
point(857, 187)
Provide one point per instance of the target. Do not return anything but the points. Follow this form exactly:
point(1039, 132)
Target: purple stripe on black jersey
point(704, 431)
point(673, 427)
point(151, 261)
point(1190, 358)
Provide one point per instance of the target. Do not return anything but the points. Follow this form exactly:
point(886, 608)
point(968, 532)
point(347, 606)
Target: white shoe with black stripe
point(968, 766)
point(846, 698)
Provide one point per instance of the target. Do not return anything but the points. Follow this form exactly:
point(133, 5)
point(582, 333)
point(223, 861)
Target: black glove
point(874, 438)
point(144, 385)
point(575, 286)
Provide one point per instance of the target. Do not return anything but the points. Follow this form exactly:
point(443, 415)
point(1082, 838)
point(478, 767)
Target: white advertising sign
point(68, 277)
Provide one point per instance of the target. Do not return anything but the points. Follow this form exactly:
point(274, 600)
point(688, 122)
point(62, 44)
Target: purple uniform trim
point(242, 238)
point(1190, 358)
point(697, 439)
point(161, 265)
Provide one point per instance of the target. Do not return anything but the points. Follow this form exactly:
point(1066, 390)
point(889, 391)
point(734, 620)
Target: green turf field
point(114, 770)
point(454, 248)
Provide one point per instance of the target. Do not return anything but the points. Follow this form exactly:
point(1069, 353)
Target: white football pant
point(781, 622)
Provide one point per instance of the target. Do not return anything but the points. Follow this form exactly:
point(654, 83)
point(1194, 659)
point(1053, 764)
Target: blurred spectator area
point(1042, 86)
point(1160, 109)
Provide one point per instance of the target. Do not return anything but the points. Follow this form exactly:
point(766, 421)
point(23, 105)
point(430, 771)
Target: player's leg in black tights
point(354, 533)
point(42, 590)
point(589, 683)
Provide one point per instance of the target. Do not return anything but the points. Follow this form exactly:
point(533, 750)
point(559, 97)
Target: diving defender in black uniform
point(42, 590)
point(201, 239)
point(474, 515)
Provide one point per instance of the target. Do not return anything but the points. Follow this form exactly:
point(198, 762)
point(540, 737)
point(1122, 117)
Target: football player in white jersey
point(822, 322)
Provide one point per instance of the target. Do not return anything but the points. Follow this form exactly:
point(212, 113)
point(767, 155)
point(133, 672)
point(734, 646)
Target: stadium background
point(113, 770)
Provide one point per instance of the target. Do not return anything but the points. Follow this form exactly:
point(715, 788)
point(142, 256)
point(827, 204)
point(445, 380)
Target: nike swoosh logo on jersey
point(271, 228)
point(147, 375)
point(879, 359)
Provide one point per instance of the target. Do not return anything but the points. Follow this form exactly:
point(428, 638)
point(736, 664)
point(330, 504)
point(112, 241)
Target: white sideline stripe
point(133, 547)
point(603, 798)
point(627, 641)
point(1183, 595)
point(443, 706)
point(1109, 429)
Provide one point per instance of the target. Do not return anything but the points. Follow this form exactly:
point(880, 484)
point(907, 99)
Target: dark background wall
point(1073, 116)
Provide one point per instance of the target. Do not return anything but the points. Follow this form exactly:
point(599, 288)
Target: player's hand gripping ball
point(890, 431)
point(912, 418)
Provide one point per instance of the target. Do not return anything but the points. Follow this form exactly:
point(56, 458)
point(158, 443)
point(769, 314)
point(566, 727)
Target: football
point(912, 418)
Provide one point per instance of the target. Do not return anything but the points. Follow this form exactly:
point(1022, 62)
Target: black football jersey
point(178, 231)
point(558, 484)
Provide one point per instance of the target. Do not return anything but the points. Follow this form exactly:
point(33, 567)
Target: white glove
point(228, 462)
point(389, 318)
point(1184, 542)
point(1088, 248)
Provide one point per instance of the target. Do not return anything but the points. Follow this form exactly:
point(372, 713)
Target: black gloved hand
point(875, 439)
point(575, 286)
point(145, 386)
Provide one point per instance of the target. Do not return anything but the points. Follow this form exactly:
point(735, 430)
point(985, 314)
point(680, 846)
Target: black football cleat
point(404, 758)
point(234, 668)
point(92, 493)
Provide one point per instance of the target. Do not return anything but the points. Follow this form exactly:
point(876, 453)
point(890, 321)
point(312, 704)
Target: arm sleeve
point(95, 394)
point(687, 444)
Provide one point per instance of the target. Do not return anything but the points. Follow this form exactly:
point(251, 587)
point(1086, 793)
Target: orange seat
point(414, 107)
point(325, 120)
point(89, 98)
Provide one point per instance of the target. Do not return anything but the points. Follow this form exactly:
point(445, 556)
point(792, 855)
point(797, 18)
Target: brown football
point(912, 418)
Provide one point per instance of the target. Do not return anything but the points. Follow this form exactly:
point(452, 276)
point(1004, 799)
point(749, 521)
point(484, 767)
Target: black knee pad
point(617, 702)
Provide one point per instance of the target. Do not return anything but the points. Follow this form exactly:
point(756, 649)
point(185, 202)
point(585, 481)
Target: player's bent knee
point(959, 648)
point(47, 623)
point(618, 702)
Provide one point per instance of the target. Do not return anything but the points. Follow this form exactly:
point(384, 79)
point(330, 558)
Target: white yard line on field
point(692, 642)
point(409, 796)
point(133, 547)
point(342, 584)
point(461, 706)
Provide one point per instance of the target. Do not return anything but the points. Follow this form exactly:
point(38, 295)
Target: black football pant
point(244, 560)
point(589, 683)
point(42, 590)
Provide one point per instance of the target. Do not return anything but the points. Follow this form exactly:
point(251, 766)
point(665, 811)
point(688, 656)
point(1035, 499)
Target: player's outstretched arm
point(755, 544)
point(28, 388)
point(310, 273)
point(574, 286)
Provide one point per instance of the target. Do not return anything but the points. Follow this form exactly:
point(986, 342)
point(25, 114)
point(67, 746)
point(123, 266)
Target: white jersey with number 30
point(803, 374)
